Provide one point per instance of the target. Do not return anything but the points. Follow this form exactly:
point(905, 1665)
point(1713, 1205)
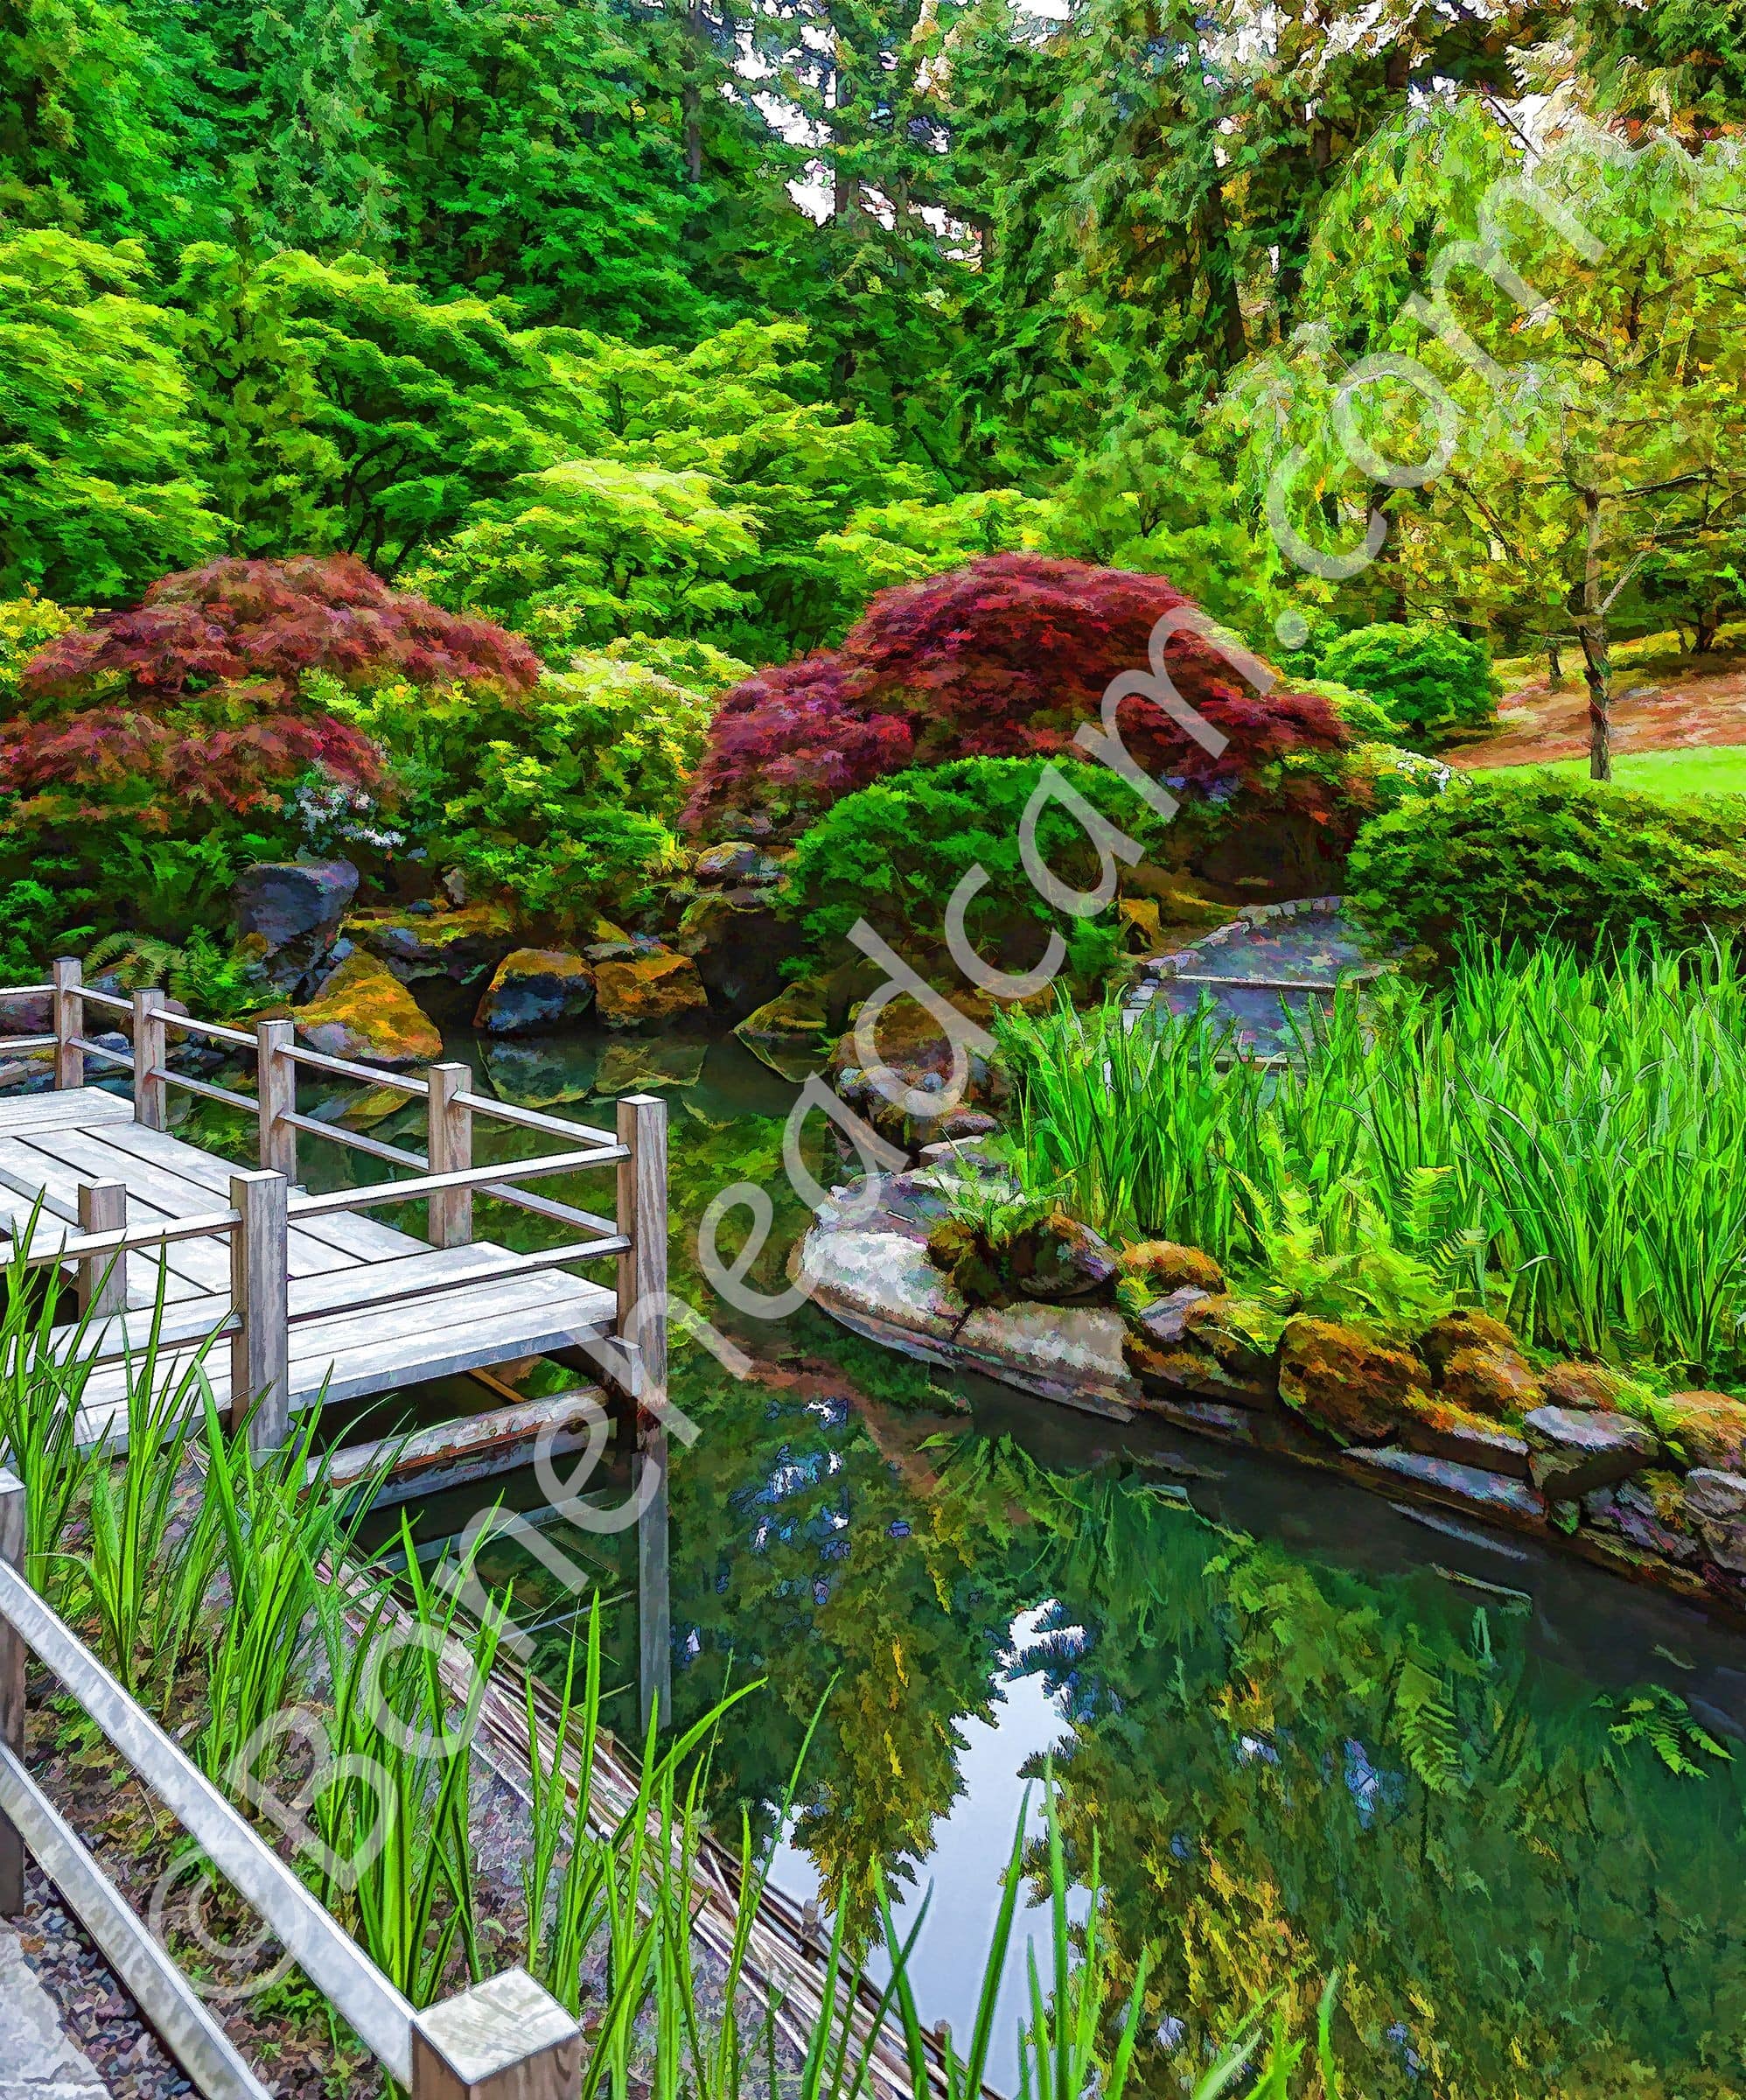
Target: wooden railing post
point(259, 1299)
point(642, 1320)
point(69, 1021)
point(151, 1047)
point(450, 1149)
point(11, 1691)
point(275, 1088)
point(506, 2039)
point(101, 1286)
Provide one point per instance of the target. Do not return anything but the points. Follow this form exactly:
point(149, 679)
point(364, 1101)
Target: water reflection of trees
point(1285, 1766)
point(800, 1555)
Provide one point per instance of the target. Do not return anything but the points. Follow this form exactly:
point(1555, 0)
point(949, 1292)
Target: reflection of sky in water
point(968, 1849)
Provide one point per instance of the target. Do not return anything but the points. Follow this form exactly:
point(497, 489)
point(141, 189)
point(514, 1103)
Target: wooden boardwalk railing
point(507, 2039)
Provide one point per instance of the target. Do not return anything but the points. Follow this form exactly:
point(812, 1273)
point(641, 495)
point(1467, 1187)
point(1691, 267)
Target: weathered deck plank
point(388, 1309)
point(365, 1239)
point(351, 1357)
point(86, 1107)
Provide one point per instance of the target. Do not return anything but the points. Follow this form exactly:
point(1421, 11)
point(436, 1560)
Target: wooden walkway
point(289, 1300)
point(431, 1312)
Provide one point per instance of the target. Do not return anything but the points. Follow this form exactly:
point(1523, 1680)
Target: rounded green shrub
point(1527, 857)
point(1433, 684)
point(893, 853)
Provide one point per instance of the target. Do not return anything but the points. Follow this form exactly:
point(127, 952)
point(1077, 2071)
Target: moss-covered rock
point(1164, 1266)
point(791, 1032)
point(1224, 1351)
point(1592, 1385)
point(657, 989)
point(1358, 1389)
point(362, 1011)
point(1709, 1428)
point(535, 992)
point(1058, 1258)
point(461, 945)
point(964, 1256)
point(1487, 1379)
point(1430, 1424)
point(1054, 1259)
point(1465, 1328)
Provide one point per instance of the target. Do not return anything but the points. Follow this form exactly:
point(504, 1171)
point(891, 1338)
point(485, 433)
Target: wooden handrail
point(87, 1048)
point(503, 2040)
point(134, 1239)
point(395, 1155)
point(379, 1192)
point(204, 1087)
point(113, 1000)
point(520, 1264)
point(529, 1119)
point(372, 1075)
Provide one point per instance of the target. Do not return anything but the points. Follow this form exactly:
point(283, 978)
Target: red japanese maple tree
point(193, 703)
point(1007, 656)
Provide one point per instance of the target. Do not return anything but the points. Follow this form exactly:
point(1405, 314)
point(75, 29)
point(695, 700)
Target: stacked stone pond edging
point(1463, 1417)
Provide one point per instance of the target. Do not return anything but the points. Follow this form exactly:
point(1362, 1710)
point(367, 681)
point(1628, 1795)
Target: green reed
point(1583, 1125)
point(279, 1520)
point(42, 1387)
point(393, 1806)
point(151, 1555)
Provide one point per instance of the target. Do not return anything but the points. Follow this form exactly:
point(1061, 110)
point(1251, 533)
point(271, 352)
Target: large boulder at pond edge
point(286, 901)
point(1715, 1509)
point(535, 992)
point(1709, 1428)
point(791, 1033)
point(362, 1011)
point(659, 990)
point(1356, 1388)
point(1572, 1450)
point(462, 945)
point(739, 945)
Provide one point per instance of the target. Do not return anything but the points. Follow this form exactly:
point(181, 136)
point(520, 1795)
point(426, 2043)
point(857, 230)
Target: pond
point(1296, 1728)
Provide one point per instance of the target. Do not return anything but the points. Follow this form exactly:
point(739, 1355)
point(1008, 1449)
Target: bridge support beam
point(642, 1321)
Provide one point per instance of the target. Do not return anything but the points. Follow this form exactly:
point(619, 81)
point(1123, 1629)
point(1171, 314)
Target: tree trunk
point(1224, 310)
point(693, 95)
point(1708, 627)
point(1555, 665)
point(1591, 632)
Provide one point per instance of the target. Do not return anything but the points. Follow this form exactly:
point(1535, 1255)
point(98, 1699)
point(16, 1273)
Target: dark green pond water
point(1297, 1728)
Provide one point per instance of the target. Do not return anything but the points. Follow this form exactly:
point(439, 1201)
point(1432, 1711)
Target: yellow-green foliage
point(25, 624)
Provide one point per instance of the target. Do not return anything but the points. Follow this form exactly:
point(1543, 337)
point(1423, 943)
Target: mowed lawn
point(1719, 769)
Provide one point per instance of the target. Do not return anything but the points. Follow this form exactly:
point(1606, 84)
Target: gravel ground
point(96, 2013)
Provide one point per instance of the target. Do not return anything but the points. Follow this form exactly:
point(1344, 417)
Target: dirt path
point(1676, 705)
